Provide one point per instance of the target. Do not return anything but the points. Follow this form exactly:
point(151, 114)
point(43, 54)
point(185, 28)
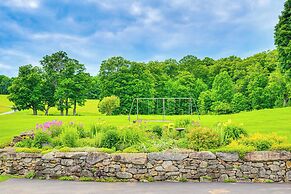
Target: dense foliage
point(222, 86)
point(283, 38)
point(149, 138)
point(61, 82)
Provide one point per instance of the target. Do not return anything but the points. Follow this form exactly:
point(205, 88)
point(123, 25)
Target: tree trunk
point(75, 107)
point(67, 107)
point(61, 107)
point(47, 110)
point(34, 111)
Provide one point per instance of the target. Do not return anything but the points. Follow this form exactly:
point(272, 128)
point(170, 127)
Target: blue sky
point(94, 30)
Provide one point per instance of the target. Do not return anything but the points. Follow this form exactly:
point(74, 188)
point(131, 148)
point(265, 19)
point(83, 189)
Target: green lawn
point(4, 178)
point(263, 121)
point(5, 104)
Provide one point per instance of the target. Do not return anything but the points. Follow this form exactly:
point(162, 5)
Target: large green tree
point(26, 89)
point(53, 65)
point(283, 38)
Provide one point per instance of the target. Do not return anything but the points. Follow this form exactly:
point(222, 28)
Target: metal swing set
point(136, 102)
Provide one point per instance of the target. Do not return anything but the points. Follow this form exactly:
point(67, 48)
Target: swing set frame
point(192, 104)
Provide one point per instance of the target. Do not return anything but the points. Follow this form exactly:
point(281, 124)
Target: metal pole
point(163, 108)
point(137, 109)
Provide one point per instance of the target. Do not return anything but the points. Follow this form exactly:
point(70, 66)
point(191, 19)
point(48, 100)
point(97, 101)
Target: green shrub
point(158, 130)
point(203, 139)
point(41, 139)
point(233, 133)
point(87, 142)
point(283, 146)
point(30, 175)
point(262, 141)
point(27, 143)
point(182, 143)
point(110, 139)
point(56, 142)
point(234, 146)
point(129, 137)
point(66, 178)
point(82, 132)
point(108, 104)
point(69, 137)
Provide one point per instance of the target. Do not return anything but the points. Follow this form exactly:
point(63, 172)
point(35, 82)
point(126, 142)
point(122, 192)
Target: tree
point(53, 65)
point(73, 86)
point(223, 88)
point(283, 38)
point(239, 103)
point(5, 83)
point(127, 80)
point(26, 92)
point(108, 104)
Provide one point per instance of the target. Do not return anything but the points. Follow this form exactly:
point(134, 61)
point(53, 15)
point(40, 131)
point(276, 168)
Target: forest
point(226, 85)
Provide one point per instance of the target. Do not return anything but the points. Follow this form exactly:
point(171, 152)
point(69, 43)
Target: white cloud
point(5, 67)
point(28, 4)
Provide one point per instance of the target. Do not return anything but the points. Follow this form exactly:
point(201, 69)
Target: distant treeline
point(222, 86)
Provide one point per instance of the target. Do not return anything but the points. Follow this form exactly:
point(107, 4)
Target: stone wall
point(195, 166)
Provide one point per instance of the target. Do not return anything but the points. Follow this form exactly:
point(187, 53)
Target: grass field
point(5, 104)
point(263, 121)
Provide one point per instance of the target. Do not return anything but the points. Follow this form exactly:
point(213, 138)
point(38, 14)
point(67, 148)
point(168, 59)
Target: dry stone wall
point(195, 166)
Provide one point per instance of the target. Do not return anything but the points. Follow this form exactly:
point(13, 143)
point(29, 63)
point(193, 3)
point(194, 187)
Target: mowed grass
point(4, 178)
point(262, 121)
point(5, 104)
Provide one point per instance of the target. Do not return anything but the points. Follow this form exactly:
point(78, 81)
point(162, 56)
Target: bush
point(129, 137)
point(262, 141)
point(82, 132)
point(110, 139)
point(233, 133)
point(108, 104)
point(158, 130)
point(284, 146)
point(25, 143)
point(56, 141)
point(41, 139)
point(69, 137)
point(235, 146)
point(203, 139)
point(87, 142)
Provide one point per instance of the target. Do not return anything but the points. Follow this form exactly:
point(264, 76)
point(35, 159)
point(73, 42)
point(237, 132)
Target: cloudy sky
point(93, 30)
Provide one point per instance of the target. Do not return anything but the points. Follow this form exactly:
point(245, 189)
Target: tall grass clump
point(69, 137)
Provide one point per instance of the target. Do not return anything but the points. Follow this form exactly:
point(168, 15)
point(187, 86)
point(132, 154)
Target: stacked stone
point(194, 166)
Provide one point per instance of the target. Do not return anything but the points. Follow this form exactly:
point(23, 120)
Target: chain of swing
point(165, 101)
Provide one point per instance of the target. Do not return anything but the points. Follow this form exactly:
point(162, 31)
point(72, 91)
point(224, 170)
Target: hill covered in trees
point(220, 86)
